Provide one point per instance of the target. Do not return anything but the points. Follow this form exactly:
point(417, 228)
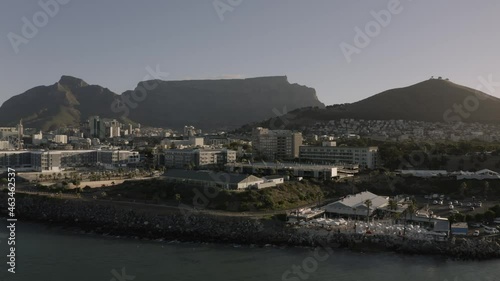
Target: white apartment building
point(185, 158)
point(61, 138)
point(330, 153)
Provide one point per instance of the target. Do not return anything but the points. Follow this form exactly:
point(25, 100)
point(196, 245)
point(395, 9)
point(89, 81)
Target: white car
point(490, 230)
point(451, 207)
point(476, 233)
point(455, 202)
point(435, 202)
point(441, 202)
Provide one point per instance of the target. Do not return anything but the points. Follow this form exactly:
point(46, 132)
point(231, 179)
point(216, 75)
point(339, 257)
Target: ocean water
point(53, 254)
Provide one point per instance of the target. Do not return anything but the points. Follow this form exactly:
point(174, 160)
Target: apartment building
point(276, 144)
point(330, 153)
point(197, 158)
point(58, 160)
point(61, 139)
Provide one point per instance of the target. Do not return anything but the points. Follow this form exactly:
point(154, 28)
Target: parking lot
point(467, 206)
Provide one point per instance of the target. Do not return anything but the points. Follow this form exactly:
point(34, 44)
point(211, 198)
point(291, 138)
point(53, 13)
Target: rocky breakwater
point(118, 220)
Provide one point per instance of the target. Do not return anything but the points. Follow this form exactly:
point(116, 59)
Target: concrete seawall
point(117, 220)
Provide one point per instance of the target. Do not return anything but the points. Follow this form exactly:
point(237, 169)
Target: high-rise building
point(114, 129)
point(97, 127)
point(276, 144)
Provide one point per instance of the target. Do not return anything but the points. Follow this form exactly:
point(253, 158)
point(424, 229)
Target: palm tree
point(393, 206)
point(486, 188)
point(368, 204)
point(411, 210)
point(463, 188)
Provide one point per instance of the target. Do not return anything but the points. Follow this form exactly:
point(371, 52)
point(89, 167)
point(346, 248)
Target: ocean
point(54, 254)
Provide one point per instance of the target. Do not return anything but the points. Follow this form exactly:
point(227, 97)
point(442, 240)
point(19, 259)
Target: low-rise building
point(330, 153)
point(197, 158)
point(355, 205)
point(59, 160)
point(324, 172)
point(214, 179)
point(459, 228)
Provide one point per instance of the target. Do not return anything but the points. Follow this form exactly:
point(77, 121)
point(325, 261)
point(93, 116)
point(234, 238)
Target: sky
point(317, 43)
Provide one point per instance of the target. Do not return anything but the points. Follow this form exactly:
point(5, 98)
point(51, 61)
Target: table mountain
point(206, 104)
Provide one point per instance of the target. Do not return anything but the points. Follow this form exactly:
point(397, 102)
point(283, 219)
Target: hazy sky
point(111, 43)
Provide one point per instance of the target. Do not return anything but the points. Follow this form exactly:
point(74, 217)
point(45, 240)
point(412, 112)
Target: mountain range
point(205, 104)
point(232, 103)
point(434, 100)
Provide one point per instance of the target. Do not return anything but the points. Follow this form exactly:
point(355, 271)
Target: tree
point(368, 204)
point(411, 210)
point(489, 215)
point(393, 205)
point(486, 188)
point(463, 188)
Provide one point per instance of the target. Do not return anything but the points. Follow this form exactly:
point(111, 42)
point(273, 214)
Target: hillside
point(65, 103)
point(429, 101)
point(206, 104)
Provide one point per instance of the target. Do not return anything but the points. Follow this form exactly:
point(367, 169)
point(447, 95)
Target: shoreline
point(108, 220)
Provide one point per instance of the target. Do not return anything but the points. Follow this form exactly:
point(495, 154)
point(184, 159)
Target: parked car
point(469, 204)
point(476, 233)
point(475, 225)
point(455, 202)
point(490, 230)
point(435, 202)
point(478, 204)
point(450, 203)
point(454, 212)
point(471, 208)
point(451, 207)
point(441, 202)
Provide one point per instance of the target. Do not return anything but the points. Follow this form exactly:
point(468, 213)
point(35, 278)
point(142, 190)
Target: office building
point(276, 144)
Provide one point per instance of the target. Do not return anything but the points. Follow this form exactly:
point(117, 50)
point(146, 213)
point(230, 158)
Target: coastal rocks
point(120, 221)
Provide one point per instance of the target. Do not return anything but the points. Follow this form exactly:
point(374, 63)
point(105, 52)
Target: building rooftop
point(223, 178)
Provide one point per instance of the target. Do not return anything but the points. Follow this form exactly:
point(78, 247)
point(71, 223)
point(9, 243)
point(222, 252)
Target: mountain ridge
point(433, 100)
point(207, 104)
